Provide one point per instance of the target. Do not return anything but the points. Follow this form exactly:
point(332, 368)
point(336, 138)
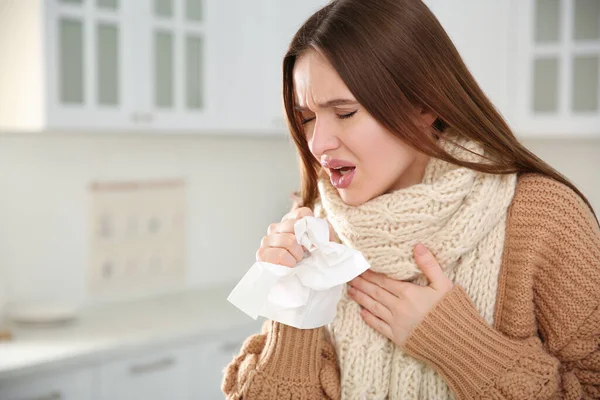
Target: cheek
point(386, 159)
point(382, 149)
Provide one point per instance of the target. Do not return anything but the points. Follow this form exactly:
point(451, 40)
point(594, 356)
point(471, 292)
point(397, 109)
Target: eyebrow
point(331, 103)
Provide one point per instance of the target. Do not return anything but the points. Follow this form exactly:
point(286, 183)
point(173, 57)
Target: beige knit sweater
point(545, 342)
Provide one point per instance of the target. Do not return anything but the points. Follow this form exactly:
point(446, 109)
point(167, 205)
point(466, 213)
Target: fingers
point(280, 245)
point(431, 268)
point(298, 214)
point(393, 286)
point(286, 226)
point(377, 324)
point(285, 241)
point(288, 221)
point(276, 255)
point(367, 293)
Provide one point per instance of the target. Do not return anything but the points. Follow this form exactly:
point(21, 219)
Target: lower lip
point(340, 181)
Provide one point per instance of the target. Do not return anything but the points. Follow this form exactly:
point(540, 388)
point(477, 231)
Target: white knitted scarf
point(460, 215)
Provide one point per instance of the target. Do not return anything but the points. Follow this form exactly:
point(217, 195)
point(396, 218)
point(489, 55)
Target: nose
point(324, 138)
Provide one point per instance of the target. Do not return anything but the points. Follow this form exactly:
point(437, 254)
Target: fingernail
point(420, 249)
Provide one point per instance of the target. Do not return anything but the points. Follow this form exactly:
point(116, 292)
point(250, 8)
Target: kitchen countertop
point(107, 331)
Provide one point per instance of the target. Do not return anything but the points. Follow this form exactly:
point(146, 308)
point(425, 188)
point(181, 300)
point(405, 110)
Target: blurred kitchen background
point(143, 153)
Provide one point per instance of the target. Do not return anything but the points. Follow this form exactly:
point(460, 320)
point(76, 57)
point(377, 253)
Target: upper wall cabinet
point(284, 18)
point(85, 66)
point(145, 65)
point(480, 32)
point(557, 83)
point(174, 44)
point(537, 60)
point(215, 66)
point(122, 65)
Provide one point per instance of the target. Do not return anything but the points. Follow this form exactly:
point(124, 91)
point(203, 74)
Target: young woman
point(485, 261)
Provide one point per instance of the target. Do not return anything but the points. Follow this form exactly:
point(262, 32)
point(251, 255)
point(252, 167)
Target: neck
point(413, 175)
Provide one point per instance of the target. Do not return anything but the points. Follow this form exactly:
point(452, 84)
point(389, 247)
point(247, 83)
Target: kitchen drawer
point(157, 375)
point(76, 385)
point(211, 356)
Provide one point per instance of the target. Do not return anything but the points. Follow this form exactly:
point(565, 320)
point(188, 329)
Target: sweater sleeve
point(563, 360)
point(284, 363)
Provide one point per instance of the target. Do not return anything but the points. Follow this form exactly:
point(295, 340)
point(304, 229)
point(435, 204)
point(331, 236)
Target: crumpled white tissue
point(306, 295)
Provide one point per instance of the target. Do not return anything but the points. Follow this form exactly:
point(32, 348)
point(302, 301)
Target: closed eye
point(349, 115)
point(340, 116)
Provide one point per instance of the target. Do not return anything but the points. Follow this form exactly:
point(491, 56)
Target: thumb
point(430, 267)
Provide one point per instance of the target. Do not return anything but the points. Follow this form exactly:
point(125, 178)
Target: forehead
point(316, 81)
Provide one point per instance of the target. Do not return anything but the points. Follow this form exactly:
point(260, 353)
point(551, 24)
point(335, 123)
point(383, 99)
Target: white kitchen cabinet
point(191, 371)
point(108, 65)
point(480, 31)
point(557, 58)
point(210, 357)
point(172, 346)
point(177, 370)
point(145, 65)
point(67, 64)
point(238, 65)
point(537, 60)
point(157, 375)
point(88, 69)
point(177, 40)
point(73, 385)
point(283, 19)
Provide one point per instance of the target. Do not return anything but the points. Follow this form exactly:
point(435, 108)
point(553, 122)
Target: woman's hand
point(280, 245)
point(395, 308)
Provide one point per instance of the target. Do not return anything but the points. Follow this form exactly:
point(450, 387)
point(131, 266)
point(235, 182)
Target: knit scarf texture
point(456, 212)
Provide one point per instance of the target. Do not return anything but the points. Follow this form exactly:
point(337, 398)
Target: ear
point(426, 116)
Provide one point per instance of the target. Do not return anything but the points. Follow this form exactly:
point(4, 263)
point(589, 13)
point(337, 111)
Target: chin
point(353, 199)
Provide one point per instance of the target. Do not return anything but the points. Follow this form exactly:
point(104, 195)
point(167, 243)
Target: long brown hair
point(394, 55)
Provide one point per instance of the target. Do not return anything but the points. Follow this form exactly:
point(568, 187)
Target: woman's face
point(361, 157)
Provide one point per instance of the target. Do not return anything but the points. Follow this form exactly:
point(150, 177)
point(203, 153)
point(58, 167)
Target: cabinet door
point(173, 82)
point(89, 67)
point(557, 79)
point(76, 385)
point(157, 376)
point(284, 18)
point(481, 36)
point(210, 357)
point(239, 62)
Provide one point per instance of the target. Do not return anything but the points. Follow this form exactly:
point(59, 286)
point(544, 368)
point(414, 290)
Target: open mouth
point(341, 177)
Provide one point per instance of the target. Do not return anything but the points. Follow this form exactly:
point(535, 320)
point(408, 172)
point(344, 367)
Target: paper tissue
point(305, 296)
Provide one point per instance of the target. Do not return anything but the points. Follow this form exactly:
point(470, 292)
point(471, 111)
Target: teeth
point(345, 172)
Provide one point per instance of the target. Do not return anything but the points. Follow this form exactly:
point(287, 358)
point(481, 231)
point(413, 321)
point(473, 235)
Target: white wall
point(578, 160)
point(236, 188)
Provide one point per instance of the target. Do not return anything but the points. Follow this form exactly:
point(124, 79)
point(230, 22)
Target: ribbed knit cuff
point(461, 346)
point(292, 354)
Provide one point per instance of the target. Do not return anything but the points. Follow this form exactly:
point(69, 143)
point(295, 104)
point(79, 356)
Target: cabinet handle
point(152, 366)
point(50, 396)
point(142, 117)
